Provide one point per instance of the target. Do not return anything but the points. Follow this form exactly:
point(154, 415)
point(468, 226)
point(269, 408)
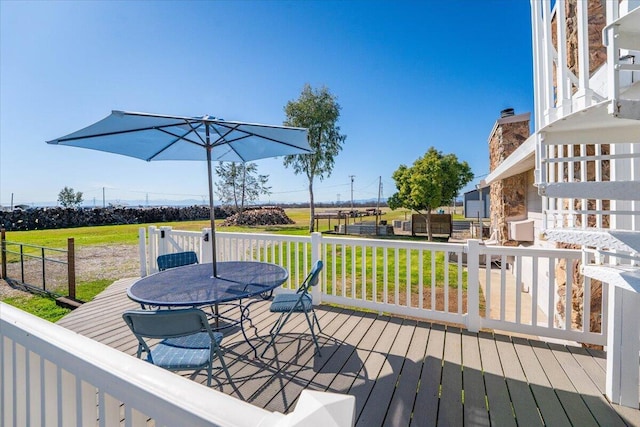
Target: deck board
point(522, 399)
point(402, 403)
point(425, 412)
point(594, 400)
point(475, 404)
point(500, 412)
point(384, 387)
point(571, 401)
point(401, 371)
point(450, 410)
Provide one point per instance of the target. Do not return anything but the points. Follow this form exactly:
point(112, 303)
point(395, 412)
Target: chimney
point(507, 112)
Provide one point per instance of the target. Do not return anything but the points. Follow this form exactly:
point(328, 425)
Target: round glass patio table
point(194, 286)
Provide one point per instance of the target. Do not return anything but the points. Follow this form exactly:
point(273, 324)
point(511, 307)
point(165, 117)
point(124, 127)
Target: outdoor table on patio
point(194, 286)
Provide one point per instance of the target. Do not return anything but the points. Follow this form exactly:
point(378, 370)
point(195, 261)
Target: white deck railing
point(52, 376)
point(518, 292)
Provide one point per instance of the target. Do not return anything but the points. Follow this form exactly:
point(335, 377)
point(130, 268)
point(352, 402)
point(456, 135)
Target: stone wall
point(597, 18)
point(508, 196)
point(49, 218)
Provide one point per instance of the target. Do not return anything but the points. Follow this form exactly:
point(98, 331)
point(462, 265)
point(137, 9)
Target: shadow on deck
point(401, 371)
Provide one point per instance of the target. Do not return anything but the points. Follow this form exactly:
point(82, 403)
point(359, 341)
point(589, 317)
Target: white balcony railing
point(518, 292)
point(52, 376)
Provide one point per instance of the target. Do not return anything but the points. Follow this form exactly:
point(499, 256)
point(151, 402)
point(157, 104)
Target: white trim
point(521, 160)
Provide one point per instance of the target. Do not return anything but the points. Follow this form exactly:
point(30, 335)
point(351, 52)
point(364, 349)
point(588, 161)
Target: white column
point(623, 347)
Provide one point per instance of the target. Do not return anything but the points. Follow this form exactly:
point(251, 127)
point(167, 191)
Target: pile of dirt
point(261, 216)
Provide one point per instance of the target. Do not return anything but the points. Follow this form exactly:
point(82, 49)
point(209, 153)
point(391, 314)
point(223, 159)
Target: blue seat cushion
point(199, 340)
point(189, 352)
point(176, 260)
point(283, 303)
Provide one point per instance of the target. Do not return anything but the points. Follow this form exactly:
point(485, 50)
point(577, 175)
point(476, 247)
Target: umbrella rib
point(248, 134)
point(178, 138)
point(228, 143)
point(120, 132)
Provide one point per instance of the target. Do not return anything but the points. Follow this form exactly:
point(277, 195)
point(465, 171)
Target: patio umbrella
point(153, 137)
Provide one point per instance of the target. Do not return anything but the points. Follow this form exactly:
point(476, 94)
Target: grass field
point(128, 235)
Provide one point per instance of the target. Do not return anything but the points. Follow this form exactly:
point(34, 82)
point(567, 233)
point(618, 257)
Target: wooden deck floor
point(402, 372)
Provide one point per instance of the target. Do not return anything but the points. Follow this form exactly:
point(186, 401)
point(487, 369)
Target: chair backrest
point(176, 260)
point(166, 323)
point(312, 278)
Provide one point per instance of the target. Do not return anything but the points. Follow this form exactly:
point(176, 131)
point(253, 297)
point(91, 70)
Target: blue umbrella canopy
point(154, 137)
point(158, 137)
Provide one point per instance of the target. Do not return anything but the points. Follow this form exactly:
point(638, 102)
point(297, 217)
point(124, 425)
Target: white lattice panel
point(610, 190)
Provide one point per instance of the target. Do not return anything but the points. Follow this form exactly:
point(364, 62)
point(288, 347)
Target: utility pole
point(338, 202)
point(378, 204)
point(352, 176)
point(104, 204)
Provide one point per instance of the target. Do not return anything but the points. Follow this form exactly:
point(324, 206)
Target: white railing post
point(621, 383)
point(316, 252)
point(152, 245)
point(142, 251)
point(163, 247)
point(206, 254)
point(474, 322)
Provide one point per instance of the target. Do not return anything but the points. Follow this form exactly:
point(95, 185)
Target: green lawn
point(128, 235)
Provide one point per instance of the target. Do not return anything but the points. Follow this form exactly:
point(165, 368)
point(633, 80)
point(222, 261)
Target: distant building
point(477, 203)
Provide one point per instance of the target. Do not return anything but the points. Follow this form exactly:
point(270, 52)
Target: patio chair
point(187, 339)
point(300, 302)
point(176, 260)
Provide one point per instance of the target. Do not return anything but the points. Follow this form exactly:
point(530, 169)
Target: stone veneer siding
point(597, 20)
point(508, 196)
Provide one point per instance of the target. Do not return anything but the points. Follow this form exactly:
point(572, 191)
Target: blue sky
point(408, 75)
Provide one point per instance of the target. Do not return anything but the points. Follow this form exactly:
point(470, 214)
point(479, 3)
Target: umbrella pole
point(211, 211)
point(212, 216)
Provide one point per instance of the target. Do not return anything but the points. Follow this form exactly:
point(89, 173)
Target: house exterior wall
point(508, 196)
point(597, 21)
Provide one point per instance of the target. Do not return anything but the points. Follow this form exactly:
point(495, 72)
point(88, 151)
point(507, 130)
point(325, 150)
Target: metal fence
point(37, 268)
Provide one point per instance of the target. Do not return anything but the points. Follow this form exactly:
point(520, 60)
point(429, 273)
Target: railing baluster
point(518, 289)
point(420, 278)
point(552, 294)
point(343, 272)
point(460, 291)
point(408, 279)
point(434, 289)
point(534, 291)
point(568, 295)
point(503, 286)
point(446, 281)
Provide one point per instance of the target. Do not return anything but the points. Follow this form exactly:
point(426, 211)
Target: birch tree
point(318, 111)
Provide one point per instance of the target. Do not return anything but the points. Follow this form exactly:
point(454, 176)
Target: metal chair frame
point(301, 302)
point(181, 330)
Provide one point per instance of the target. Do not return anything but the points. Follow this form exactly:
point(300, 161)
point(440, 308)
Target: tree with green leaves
point(432, 181)
point(318, 111)
point(69, 198)
point(240, 184)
